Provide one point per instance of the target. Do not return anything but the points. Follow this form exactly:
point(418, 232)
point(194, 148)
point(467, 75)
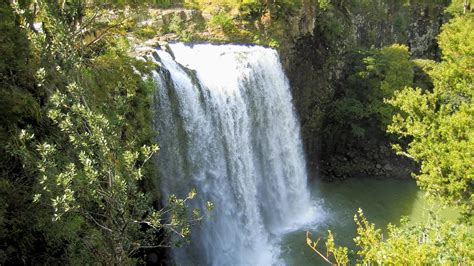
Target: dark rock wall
point(317, 55)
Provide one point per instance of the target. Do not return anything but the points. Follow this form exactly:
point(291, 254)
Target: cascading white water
point(227, 128)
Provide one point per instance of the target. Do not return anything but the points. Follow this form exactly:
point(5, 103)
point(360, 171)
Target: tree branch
point(103, 33)
point(313, 247)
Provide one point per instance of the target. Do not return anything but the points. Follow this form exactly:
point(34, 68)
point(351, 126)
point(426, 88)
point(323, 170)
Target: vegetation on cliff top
point(249, 21)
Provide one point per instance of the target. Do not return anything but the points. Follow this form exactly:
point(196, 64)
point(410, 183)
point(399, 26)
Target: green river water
point(383, 201)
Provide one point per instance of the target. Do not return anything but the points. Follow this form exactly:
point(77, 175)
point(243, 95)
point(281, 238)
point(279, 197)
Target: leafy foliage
point(339, 254)
point(440, 122)
point(179, 26)
point(432, 242)
point(378, 74)
point(248, 21)
point(76, 139)
point(387, 71)
point(324, 4)
point(224, 22)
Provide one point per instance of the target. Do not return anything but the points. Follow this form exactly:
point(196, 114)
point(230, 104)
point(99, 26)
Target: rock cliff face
point(317, 48)
point(317, 56)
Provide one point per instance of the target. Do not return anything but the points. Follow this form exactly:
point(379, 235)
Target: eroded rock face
point(316, 49)
point(316, 55)
point(304, 22)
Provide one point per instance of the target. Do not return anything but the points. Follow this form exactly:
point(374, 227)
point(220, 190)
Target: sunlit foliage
point(440, 122)
point(433, 242)
point(437, 122)
point(76, 139)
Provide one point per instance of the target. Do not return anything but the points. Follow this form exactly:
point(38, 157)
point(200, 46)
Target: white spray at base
point(227, 128)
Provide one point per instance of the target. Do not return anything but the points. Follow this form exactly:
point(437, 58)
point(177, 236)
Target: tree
point(77, 139)
point(378, 74)
point(433, 241)
point(440, 123)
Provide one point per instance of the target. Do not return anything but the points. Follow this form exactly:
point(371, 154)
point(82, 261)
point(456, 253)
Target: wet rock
point(387, 167)
point(338, 173)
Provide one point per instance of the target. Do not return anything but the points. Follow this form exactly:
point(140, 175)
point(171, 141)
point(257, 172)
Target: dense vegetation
point(249, 21)
point(378, 73)
point(76, 138)
point(74, 167)
point(437, 123)
point(440, 122)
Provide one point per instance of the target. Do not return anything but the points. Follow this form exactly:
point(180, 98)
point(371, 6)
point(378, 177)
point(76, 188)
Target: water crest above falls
point(227, 128)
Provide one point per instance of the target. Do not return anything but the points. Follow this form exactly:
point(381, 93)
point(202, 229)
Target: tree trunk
point(467, 6)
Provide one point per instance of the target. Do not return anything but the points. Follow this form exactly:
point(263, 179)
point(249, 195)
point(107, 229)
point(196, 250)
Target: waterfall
point(227, 127)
